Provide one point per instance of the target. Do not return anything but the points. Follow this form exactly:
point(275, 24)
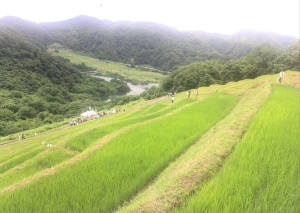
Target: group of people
point(21, 137)
point(188, 93)
point(95, 116)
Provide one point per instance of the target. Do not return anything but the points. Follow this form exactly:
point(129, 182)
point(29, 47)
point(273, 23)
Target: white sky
point(221, 16)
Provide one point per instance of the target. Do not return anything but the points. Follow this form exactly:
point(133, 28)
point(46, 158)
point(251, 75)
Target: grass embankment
point(262, 175)
point(30, 133)
point(109, 68)
point(109, 177)
point(81, 142)
point(19, 159)
point(37, 167)
point(22, 159)
point(205, 157)
point(46, 160)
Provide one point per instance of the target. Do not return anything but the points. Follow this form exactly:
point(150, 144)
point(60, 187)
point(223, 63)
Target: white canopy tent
point(88, 113)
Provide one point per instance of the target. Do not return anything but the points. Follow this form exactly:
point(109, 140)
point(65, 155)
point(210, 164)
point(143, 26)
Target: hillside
point(38, 88)
point(152, 156)
point(144, 43)
point(137, 74)
point(155, 44)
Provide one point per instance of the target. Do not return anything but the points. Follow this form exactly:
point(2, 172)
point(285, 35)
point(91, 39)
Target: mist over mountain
point(156, 44)
point(146, 43)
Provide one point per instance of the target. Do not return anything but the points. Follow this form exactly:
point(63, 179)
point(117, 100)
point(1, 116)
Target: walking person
point(281, 75)
point(196, 93)
point(188, 93)
point(172, 99)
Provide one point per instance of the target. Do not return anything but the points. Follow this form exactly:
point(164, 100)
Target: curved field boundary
point(252, 87)
point(107, 195)
point(47, 159)
point(86, 153)
point(58, 140)
point(262, 175)
point(201, 160)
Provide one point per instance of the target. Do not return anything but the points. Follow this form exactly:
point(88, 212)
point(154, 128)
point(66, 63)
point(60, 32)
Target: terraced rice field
point(262, 175)
point(152, 157)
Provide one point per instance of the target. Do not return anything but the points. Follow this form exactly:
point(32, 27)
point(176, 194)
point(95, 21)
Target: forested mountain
point(145, 43)
point(155, 44)
point(37, 88)
point(254, 38)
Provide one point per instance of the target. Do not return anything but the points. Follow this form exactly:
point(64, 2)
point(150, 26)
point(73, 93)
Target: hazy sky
point(222, 16)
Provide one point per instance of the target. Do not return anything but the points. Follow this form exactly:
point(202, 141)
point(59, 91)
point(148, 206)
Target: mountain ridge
point(148, 43)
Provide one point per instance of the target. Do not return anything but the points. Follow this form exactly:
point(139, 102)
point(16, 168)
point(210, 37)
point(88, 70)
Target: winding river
point(135, 89)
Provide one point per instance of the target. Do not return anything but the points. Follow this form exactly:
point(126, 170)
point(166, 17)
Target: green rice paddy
point(262, 175)
point(126, 164)
point(106, 164)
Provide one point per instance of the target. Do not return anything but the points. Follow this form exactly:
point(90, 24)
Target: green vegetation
point(18, 160)
point(108, 68)
point(38, 89)
point(155, 45)
point(262, 175)
point(74, 139)
point(165, 150)
point(261, 61)
point(148, 147)
point(206, 156)
point(81, 142)
point(155, 154)
point(41, 163)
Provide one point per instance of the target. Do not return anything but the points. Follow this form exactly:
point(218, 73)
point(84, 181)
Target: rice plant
point(114, 174)
point(263, 173)
point(45, 161)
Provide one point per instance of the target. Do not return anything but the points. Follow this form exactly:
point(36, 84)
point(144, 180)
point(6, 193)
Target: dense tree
point(262, 60)
point(288, 60)
point(37, 88)
point(7, 115)
point(26, 112)
point(193, 76)
point(154, 44)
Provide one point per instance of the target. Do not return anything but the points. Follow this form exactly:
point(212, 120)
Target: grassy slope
point(262, 175)
point(150, 154)
point(59, 138)
point(62, 137)
point(108, 67)
point(204, 158)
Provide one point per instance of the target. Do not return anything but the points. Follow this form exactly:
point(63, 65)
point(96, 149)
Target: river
point(134, 89)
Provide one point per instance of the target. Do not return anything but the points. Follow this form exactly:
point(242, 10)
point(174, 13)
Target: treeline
point(37, 88)
point(153, 44)
point(262, 60)
point(147, 44)
point(141, 43)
